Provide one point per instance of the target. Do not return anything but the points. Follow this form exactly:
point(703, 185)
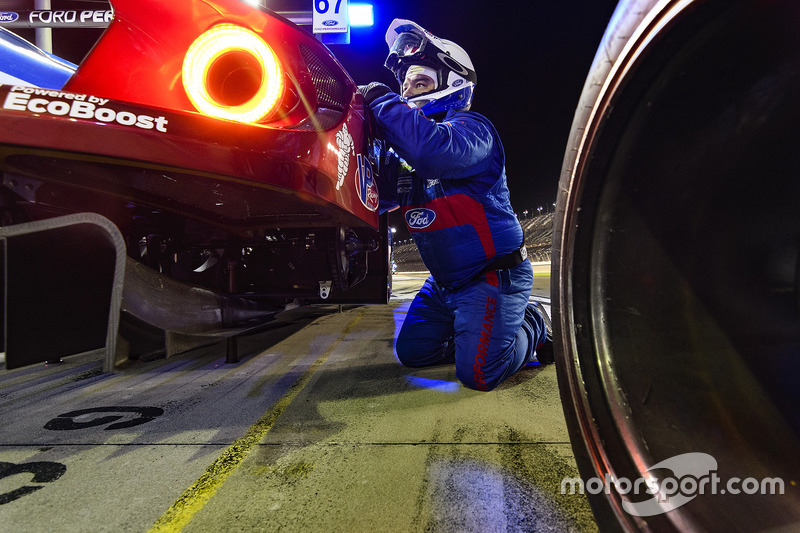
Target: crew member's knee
point(404, 351)
point(474, 378)
point(408, 351)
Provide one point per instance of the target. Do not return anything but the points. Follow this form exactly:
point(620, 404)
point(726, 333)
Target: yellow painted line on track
point(195, 497)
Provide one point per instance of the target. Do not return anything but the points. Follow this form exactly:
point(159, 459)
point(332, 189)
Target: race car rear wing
point(94, 18)
point(22, 63)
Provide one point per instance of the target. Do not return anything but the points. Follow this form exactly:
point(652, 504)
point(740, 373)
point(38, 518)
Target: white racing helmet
point(411, 44)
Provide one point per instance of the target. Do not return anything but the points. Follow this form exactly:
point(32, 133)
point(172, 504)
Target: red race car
point(229, 147)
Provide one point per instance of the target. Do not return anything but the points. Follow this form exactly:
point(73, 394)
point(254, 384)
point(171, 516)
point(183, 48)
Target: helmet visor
point(407, 46)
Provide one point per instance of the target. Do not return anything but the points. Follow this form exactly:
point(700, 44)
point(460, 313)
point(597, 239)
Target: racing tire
point(675, 268)
point(339, 259)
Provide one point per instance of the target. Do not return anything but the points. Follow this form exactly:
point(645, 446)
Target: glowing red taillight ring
point(206, 54)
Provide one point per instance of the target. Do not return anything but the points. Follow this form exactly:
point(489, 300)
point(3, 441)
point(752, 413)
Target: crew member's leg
point(496, 334)
point(426, 337)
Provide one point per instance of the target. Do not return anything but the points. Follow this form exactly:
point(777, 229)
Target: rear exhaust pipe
point(177, 307)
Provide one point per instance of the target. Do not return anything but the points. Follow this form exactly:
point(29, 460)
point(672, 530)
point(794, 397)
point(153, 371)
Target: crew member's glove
point(373, 91)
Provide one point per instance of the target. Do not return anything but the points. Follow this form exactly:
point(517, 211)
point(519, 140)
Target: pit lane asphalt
point(318, 428)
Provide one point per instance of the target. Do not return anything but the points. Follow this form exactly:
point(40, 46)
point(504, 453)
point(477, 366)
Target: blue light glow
point(449, 387)
point(361, 15)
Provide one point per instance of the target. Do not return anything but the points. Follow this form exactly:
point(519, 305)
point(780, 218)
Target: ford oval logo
point(8, 16)
point(420, 218)
point(330, 22)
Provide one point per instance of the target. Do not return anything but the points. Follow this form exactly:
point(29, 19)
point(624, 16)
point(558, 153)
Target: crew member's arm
point(459, 148)
point(388, 172)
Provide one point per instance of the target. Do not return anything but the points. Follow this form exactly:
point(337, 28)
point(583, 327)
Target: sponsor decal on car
point(420, 218)
point(365, 183)
point(85, 16)
point(77, 106)
point(346, 146)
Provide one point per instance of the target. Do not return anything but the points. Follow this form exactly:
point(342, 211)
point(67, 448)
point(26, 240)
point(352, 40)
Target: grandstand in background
point(538, 239)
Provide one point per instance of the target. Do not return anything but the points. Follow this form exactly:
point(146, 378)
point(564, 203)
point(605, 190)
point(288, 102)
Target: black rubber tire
point(675, 263)
point(339, 262)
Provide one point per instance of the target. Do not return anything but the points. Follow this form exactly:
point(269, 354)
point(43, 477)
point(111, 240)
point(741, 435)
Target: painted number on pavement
point(43, 472)
point(142, 415)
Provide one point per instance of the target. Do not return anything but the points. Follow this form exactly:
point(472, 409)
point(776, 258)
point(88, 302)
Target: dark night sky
point(531, 59)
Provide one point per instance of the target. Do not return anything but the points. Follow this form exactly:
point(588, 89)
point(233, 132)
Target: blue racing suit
point(456, 204)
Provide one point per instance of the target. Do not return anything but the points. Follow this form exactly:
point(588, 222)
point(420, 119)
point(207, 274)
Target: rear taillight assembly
point(221, 58)
point(230, 72)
